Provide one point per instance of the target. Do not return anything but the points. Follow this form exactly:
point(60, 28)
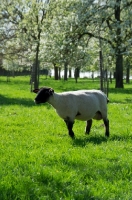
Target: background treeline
point(63, 35)
point(4, 72)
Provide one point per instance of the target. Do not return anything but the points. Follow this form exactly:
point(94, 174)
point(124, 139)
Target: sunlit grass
point(38, 160)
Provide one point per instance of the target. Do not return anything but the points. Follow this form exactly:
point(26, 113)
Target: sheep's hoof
point(73, 137)
point(107, 134)
point(71, 134)
point(87, 132)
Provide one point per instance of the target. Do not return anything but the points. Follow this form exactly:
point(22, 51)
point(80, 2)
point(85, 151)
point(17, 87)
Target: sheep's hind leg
point(106, 123)
point(88, 126)
point(70, 126)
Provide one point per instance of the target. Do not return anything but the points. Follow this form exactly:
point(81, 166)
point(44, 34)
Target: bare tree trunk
point(76, 74)
point(34, 81)
point(56, 76)
point(119, 56)
point(36, 68)
point(65, 71)
point(59, 73)
point(93, 76)
point(101, 70)
point(69, 73)
point(119, 71)
point(127, 74)
point(76, 77)
point(32, 78)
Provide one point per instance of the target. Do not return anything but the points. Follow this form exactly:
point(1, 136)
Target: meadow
point(39, 161)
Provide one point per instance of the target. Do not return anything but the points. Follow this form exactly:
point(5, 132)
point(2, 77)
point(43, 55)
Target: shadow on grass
point(57, 188)
point(82, 142)
point(121, 137)
point(120, 90)
point(20, 101)
point(15, 101)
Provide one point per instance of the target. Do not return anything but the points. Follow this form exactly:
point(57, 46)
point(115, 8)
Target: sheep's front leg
point(88, 126)
point(106, 123)
point(70, 126)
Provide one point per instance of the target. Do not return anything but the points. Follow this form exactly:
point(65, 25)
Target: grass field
point(38, 160)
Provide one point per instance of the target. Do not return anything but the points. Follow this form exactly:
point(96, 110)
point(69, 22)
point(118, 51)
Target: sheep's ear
point(36, 90)
point(51, 91)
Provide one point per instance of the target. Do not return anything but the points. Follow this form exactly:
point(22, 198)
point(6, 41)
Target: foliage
point(23, 36)
point(40, 161)
point(67, 32)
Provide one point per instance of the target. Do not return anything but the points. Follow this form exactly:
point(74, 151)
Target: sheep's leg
point(106, 123)
point(70, 126)
point(88, 126)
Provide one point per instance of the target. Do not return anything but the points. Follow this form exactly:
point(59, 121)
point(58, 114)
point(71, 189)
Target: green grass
point(38, 160)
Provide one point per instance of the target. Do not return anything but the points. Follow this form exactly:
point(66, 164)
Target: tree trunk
point(56, 76)
point(76, 77)
point(76, 74)
point(119, 71)
point(69, 73)
point(35, 70)
point(65, 71)
point(59, 73)
point(32, 76)
point(35, 74)
point(101, 70)
point(93, 76)
point(36, 81)
point(119, 56)
point(38, 74)
point(127, 74)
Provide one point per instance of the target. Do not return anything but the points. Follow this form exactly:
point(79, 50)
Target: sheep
point(83, 105)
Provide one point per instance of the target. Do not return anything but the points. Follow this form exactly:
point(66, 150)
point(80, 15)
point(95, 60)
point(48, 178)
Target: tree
point(63, 42)
point(31, 26)
point(59, 33)
point(118, 23)
point(25, 30)
point(113, 18)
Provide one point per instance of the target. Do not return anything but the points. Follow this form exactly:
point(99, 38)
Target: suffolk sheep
point(83, 105)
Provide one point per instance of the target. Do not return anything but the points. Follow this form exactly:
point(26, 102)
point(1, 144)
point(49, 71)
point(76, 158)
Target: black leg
point(70, 126)
point(88, 126)
point(106, 123)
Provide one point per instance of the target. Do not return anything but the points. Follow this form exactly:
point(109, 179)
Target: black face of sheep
point(43, 94)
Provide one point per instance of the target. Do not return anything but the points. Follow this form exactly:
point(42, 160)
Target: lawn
point(39, 161)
